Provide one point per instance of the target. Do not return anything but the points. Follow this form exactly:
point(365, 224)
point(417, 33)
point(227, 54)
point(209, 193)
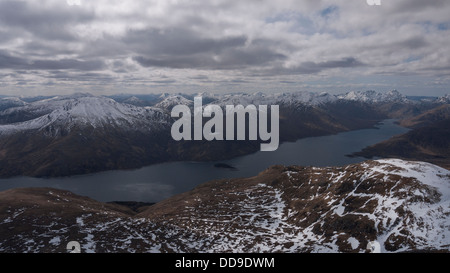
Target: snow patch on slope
point(68, 112)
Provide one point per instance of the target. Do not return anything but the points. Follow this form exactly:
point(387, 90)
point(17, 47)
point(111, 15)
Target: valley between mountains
point(401, 201)
point(81, 133)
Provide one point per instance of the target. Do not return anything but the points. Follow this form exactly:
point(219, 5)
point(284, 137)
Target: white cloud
point(245, 45)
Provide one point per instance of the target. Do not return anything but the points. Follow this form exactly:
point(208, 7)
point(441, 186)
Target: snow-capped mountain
point(244, 99)
point(101, 126)
point(305, 98)
point(83, 110)
point(371, 96)
point(133, 100)
point(105, 110)
point(37, 108)
point(402, 205)
point(79, 134)
point(171, 100)
point(444, 99)
point(10, 102)
point(208, 97)
point(287, 99)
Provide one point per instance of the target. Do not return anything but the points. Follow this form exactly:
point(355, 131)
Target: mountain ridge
point(402, 205)
point(48, 137)
point(428, 140)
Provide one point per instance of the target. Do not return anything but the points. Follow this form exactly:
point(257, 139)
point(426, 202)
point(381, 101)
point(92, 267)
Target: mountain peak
point(10, 102)
point(371, 96)
point(444, 99)
point(170, 101)
point(66, 112)
point(133, 100)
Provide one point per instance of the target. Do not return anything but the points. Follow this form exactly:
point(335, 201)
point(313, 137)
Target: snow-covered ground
point(84, 110)
point(400, 205)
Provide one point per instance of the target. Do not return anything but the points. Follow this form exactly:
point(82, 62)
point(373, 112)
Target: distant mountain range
point(82, 133)
point(402, 205)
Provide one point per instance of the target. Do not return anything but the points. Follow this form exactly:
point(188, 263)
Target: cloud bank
point(109, 46)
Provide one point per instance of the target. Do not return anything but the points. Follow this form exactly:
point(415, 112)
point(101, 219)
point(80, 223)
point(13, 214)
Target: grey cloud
point(92, 76)
point(256, 39)
point(343, 63)
point(57, 74)
point(183, 48)
point(175, 62)
point(177, 42)
point(21, 13)
point(11, 62)
point(109, 46)
point(7, 61)
point(41, 20)
point(251, 56)
point(42, 48)
point(199, 77)
point(239, 81)
point(174, 48)
point(313, 67)
point(7, 35)
point(67, 64)
point(62, 75)
point(119, 66)
point(417, 5)
point(288, 82)
point(164, 81)
point(233, 57)
point(413, 43)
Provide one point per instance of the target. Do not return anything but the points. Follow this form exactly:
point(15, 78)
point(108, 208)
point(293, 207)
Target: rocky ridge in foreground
point(403, 205)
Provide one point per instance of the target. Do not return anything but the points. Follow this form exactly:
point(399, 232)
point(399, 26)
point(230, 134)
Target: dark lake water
point(157, 182)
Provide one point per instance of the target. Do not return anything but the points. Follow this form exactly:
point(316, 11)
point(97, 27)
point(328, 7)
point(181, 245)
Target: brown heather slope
point(437, 114)
point(429, 139)
point(403, 205)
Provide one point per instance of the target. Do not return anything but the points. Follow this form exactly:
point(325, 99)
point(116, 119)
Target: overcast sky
point(110, 47)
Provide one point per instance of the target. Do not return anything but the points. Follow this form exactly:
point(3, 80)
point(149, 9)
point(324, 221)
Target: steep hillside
point(405, 206)
point(429, 139)
point(82, 133)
